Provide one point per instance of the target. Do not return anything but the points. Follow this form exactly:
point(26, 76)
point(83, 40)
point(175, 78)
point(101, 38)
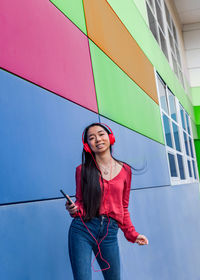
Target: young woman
point(101, 208)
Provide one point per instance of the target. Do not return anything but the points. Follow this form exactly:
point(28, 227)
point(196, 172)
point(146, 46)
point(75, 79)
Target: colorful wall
point(65, 64)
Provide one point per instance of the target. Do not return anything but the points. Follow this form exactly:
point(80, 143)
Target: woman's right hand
point(72, 208)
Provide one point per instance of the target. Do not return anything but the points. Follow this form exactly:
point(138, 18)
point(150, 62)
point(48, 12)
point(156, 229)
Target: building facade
point(131, 64)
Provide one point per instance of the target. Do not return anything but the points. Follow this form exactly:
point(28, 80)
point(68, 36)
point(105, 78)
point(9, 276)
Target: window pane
point(168, 16)
point(159, 16)
point(186, 143)
point(189, 168)
point(163, 43)
point(178, 55)
point(180, 74)
point(194, 169)
point(174, 64)
point(171, 42)
point(168, 136)
point(181, 167)
point(172, 106)
point(176, 136)
point(172, 165)
point(187, 120)
point(152, 23)
point(163, 97)
point(191, 148)
point(182, 117)
point(174, 32)
point(151, 3)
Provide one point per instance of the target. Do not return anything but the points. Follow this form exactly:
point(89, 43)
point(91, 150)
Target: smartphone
point(69, 200)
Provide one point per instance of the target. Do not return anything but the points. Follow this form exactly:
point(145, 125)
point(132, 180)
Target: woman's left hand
point(142, 240)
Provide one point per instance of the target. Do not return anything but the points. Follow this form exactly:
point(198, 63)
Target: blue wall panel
point(40, 141)
point(34, 241)
point(34, 238)
point(169, 217)
point(139, 151)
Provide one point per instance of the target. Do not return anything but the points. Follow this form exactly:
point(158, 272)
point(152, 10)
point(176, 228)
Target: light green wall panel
point(141, 5)
point(197, 114)
point(197, 149)
point(73, 9)
point(121, 100)
point(195, 91)
point(138, 28)
point(194, 129)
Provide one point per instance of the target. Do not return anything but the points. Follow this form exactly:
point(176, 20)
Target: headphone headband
point(111, 137)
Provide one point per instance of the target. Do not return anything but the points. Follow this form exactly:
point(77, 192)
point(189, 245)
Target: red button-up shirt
point(115, 200)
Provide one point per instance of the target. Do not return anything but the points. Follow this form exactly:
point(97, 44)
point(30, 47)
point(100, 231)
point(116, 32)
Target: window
point(156, 23)
point(178, 136)
point(174, 48)
point(164, 31)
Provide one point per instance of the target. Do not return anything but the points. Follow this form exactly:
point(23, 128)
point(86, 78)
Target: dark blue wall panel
point(139, 151)
point(41, 144)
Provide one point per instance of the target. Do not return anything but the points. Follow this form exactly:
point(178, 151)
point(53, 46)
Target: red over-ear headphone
point(111, 138)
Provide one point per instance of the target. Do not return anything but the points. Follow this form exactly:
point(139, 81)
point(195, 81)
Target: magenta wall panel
point(40, 44)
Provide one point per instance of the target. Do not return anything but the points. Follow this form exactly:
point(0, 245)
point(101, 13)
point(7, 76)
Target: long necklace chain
point(106, 170)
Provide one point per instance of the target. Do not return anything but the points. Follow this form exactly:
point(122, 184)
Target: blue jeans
point(81, 245)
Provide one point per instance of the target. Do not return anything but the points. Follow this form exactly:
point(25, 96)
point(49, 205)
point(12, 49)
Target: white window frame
point(172, 57)
point(177, 180)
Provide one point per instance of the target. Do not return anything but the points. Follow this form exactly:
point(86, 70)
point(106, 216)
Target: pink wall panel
point(40, 44)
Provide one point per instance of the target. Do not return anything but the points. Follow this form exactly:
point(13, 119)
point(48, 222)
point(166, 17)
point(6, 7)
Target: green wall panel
point(194, 129)
point(123, 101)
point(197, 149)
point(141, 5)
point(197, 114)
point(73, 9)
point(195, 91)
point(139, 29)
point(198, 131)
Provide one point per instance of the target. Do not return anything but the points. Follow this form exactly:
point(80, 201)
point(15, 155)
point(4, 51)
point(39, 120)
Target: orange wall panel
point(107, 31)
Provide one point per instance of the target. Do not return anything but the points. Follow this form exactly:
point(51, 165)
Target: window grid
point(186, 163)
point(164, 31)
point(156, 24)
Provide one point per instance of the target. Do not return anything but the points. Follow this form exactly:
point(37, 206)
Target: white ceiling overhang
point(188, 10)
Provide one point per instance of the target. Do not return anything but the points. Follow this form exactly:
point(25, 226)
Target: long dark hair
point(90, 184)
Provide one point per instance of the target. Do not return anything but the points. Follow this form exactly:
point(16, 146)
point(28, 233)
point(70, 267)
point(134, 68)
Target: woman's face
point(98, 139)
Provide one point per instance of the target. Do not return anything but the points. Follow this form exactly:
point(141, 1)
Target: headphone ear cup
point(112, 138)
point(87, 148)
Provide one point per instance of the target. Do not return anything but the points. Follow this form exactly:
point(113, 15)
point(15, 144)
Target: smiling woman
point(102, 196)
